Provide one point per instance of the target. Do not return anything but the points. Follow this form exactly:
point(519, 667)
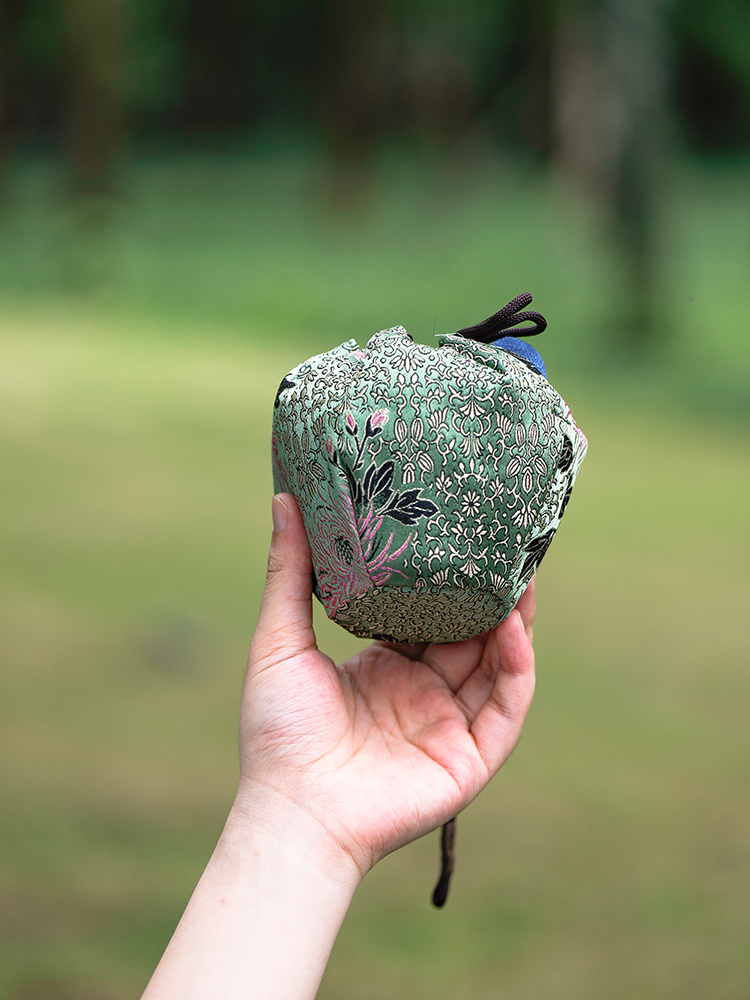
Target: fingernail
point(278, 513)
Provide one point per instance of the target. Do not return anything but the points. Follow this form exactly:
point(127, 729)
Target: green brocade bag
point(431, 480)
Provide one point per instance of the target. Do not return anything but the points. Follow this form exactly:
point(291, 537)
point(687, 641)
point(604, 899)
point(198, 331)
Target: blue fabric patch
point(524, 351)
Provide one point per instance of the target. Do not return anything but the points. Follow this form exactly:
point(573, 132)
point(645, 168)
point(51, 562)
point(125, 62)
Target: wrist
point(264, 820)
point(266, 912)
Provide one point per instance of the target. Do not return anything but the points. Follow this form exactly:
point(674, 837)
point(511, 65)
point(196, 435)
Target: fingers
point(455, 661)
point(527, 607)
point(499, 722)
point(285, 621)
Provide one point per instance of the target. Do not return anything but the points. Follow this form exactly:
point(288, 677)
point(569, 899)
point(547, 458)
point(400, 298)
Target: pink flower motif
point(379, 418)
point(377, 565)
point(344, 550)
point(351, 424)
point(336, 550)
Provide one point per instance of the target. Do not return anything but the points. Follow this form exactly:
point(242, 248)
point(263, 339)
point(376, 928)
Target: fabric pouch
point(431, 480)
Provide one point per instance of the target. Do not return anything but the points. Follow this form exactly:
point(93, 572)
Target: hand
point(391, 744)
point(337, 768)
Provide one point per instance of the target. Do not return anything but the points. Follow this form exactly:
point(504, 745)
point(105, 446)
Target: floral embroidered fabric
point(431, 480)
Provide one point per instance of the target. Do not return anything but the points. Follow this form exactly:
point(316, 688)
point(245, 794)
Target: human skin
point(339, 766)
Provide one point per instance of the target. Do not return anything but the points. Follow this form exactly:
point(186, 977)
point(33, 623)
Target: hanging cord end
point(505, 319)
point(447, 837)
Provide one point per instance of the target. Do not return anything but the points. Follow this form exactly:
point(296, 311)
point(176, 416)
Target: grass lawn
point(609, 859)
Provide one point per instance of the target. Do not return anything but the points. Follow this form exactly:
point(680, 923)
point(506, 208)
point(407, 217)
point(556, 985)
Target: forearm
point(265, 914)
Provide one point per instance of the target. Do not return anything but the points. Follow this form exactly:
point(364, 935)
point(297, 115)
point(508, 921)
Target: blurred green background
point(195, 197)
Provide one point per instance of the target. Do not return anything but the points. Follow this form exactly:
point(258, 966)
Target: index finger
point(498, 724)
point(526, 606)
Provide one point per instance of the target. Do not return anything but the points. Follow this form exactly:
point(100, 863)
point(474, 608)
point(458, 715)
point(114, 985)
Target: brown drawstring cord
point(447, 837)
point(508, 317)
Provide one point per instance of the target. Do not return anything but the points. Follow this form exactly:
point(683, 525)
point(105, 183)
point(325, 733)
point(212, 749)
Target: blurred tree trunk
point(612, 125)
point(95, 37)
point(438, 96)
point(10, 19)
point(354, 73)
point(6, 141)
point(94, 137)
point(221, 56)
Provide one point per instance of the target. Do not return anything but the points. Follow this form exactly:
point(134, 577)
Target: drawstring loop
point(505, 319)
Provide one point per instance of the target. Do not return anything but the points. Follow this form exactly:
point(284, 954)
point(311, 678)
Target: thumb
point(285, 625)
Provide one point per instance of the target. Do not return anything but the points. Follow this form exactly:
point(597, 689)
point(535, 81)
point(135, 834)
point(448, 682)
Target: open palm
point(395, 741)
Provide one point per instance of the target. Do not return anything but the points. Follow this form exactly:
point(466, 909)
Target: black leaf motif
point(371, 431)
point(408, 508)
point(377, 482)
point(355, 487)
point(565, 499)
point(566, 455)
point(536, 550)
point(285, 384)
